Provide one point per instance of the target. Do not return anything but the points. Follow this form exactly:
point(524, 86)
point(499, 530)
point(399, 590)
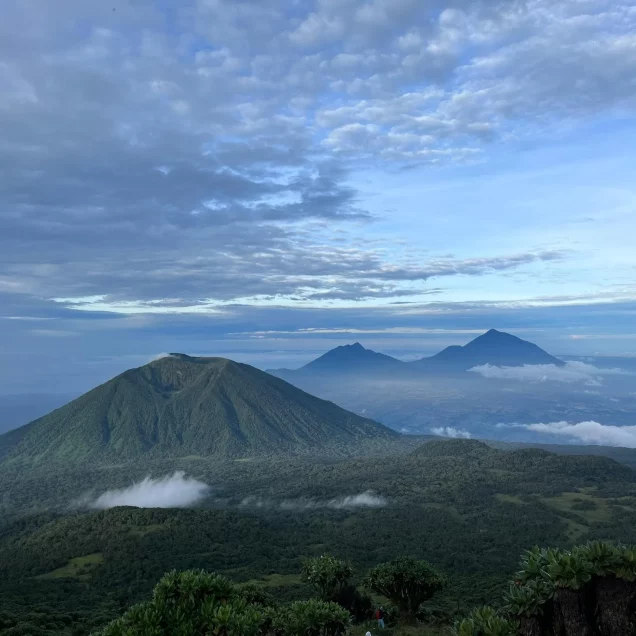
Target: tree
point(407, 583)
point(311, 618)
point(327, 574)
point(188, 604)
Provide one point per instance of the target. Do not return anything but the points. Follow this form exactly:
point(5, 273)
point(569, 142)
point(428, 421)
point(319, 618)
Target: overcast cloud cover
point(181, 175)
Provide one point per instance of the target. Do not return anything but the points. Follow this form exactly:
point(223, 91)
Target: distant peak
point(356, 345)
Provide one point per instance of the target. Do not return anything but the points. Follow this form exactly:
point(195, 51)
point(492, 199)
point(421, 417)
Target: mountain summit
point(183, 406)
point(344, 360)
point(494, 347)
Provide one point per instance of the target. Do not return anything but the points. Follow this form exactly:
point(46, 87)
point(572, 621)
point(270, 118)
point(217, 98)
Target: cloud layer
point(589, 433)
point(451, 431)
point(570, 373)
point(171, 491)
point(128, 174)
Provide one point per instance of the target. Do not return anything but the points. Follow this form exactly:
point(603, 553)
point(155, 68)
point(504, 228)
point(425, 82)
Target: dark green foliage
point(311, 618)
point(407, 582)
point(470, 517)
point(327, 575)
point(485, 622)
point(330, 577)
point(189, 604)
point(181, 406)
point(454, 448)
point(193, 603)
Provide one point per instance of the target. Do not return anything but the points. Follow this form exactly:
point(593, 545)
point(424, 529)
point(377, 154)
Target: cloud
point(537, 373)
point(160, 356)
point(367, 499)
point(451, 431)
point(171, 491)
point(589, 433)
point(199, 196)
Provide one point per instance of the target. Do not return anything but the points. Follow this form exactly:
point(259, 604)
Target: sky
point(264, 180)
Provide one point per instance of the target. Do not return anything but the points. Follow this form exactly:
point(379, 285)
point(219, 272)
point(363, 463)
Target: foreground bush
point(407, 583)
point(197, 603)
point(587, 591)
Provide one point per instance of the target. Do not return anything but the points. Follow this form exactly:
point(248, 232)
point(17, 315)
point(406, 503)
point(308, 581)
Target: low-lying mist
point(366, 499)
point(171, 491)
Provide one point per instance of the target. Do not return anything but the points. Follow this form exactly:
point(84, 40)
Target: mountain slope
point(345, 360)
point(494, 347)
point(183, 406)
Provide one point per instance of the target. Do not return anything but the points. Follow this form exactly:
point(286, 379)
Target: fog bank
point(171, 491)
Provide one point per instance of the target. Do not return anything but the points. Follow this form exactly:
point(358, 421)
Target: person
point(380, 617)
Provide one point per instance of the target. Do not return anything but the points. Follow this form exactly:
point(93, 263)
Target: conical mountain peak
point(494, 347)
point(183, 406)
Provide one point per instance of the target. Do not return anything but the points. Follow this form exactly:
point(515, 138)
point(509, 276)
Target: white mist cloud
point(571, 372)
point(451, 431)
point(589, 433)
point(160, 356)
point(366, 499)
point(171, 491)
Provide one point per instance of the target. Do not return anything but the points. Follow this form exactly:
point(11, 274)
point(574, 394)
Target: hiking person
point(379, 615)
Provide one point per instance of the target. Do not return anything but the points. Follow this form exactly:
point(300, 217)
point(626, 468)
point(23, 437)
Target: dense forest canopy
point(467, 509)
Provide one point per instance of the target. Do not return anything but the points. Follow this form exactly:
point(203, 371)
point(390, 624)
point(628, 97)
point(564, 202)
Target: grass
point(513, 499)
point(278, 580)
point(80, 568)
point(566, 502)
point(142, 531)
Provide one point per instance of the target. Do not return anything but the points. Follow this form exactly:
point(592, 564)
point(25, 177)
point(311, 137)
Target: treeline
point(588, 591)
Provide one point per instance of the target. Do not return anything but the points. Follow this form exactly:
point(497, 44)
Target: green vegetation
point(589, 590)
point(468, 514)
point(183, 407)
point(77, 568)
point(407, 583)
point(327, 575)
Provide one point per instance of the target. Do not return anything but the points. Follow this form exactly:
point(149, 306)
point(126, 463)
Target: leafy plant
point(626, 568)
point(528, 599)
point(188, 604)
point(485, 622)
point(534, 564)
point(327, 574)
point(407, 583)
point(569, 570)
point(603, 557)
point(311, 618)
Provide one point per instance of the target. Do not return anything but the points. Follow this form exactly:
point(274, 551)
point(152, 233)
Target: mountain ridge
point(186, 406)
point(346, 359)
point(493, 347)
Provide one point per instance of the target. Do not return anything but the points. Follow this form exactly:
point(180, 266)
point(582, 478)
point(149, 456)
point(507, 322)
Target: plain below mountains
point(494, 347)
point(182, 406)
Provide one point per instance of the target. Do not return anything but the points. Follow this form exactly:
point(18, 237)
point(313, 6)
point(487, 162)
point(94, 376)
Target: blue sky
point(266, 180)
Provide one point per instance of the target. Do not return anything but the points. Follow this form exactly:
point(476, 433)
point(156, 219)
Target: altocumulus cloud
point(171, 491)
point(571, 372)
point(589, 432)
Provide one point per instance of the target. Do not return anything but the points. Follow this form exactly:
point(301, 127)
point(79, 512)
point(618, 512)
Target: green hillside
point(468, 510)
point(182, 406)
